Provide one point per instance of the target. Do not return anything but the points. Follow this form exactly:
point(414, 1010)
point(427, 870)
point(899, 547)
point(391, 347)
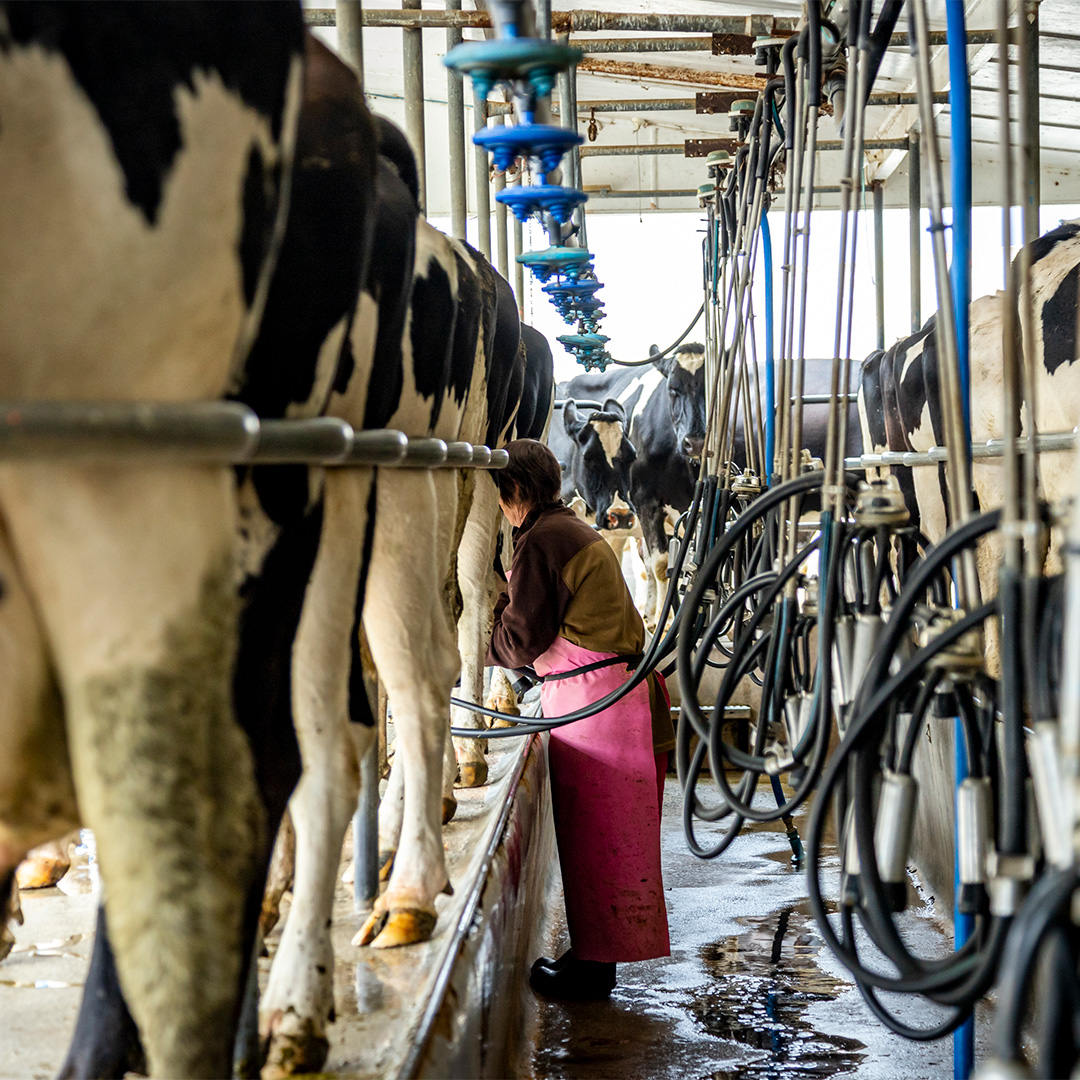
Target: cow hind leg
point(299, 998)
point(135, 579)
point(413, 647)
point(475, 564)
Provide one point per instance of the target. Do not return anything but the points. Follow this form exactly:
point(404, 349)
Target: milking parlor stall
point(747, 745)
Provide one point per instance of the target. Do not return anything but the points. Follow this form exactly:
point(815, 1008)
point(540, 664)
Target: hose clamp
point(1009, 879)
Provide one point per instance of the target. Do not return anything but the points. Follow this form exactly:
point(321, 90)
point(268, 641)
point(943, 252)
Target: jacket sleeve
point(529, 613)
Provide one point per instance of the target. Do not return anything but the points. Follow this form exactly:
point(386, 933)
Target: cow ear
point(615, 409)
point(653, 350)
point(661, 363)
point(573, 421)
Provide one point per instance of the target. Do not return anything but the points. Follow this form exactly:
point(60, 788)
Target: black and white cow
point(596, 457)
point(665, 407)
point(143, 154)
point(900, 396)
point(442, 328)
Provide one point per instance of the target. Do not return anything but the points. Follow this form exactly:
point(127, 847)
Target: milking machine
point(528, 66)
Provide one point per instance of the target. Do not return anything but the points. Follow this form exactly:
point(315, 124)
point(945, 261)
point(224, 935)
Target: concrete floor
point(749, 990)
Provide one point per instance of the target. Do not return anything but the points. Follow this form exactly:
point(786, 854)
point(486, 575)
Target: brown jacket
point(566, 582)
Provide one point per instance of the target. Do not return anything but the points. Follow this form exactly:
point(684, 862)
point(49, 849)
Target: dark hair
point(533, 477)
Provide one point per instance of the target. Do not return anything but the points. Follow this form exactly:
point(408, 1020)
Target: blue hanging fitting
point(583, 341)
point(557, 260)
point(503, 60)
point(560, 202)
point(584, 290)
point(506, 17)
point(544, 143)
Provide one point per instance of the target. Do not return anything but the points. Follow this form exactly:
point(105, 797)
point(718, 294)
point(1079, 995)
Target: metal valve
point(746, 484)
point(881, 502)
point(892, 833)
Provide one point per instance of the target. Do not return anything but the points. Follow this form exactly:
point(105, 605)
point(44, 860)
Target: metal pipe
point(659, 73)
point(914, 228)
point(366, 833)
point(350, 21)
point(483, 183)
point(1029, 112)
point(592, 46)
point(575, 156)
point(690, 104)
point(646, 193)
point(879, 259)
point(576, 21)
point(412, 56)
point(543, 19)
point(519, 269)
point(212, 433)
point(502, 255)
point(672, 149)
point(455, 100)
point(1047, 443)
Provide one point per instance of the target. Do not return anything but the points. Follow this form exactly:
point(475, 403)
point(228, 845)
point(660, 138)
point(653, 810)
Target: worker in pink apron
point(568, 614)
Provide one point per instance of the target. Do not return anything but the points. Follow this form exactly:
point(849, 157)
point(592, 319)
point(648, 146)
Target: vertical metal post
point(502, 256)
point(914, 227)
point(543, 19)
point(1029, 117)
point(483, 193)
point(879, 259)
point(412, 52)
point(519, 270)
point(455, 100)
point(575, 157)
point(350, 19)
point(366, 834)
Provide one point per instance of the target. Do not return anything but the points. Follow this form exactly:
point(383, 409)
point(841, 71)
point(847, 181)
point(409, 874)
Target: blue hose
point(960, 121)
point(960, 163)
point(770, 362)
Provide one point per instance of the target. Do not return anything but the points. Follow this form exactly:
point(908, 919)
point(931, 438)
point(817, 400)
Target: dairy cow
point(900, 395)
point(665, 407)
point(596, 457)
point(451, 364)
point(144, 153)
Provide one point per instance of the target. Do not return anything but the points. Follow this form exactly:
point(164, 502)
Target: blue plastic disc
point(544, 143)
point(503, 59)
point(560, 202)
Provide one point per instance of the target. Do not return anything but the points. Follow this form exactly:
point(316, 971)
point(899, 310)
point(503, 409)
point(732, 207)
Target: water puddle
point(764, 981)
point(59, 947)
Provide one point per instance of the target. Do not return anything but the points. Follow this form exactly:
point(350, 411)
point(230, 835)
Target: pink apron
point(606, 793)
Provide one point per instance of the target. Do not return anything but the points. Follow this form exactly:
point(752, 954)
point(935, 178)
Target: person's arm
point(529, 613)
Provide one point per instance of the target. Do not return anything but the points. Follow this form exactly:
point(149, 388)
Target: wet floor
point(750, 990)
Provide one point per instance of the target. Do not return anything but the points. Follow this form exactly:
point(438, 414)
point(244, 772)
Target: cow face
point(601, 462)
point(685, 374)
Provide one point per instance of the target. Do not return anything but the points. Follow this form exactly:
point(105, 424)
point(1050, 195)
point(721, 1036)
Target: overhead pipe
point(674, 149)
point(915, 228)
point(878, 189)
point(455, 100)
point(481, 178)
point(412, 56)
point(350, 36)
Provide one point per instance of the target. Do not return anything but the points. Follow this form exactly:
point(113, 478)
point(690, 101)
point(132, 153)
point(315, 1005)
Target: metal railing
point(215, 433)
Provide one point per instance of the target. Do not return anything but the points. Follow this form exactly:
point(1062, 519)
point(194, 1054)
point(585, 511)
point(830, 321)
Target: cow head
point(685, 374)
point(601, 463)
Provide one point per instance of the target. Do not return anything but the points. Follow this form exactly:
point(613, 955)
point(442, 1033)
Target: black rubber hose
point(1012, 828)
point(879, 39)
point(1047, 900)
point(787, 55)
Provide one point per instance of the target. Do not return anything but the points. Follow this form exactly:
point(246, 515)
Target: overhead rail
point(215, 433)
point(576, 21)
point(703, 147)
point(708, 103)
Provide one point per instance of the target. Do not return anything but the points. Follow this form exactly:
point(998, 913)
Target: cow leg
point(134, 575)
point(479, 588)
point(413, 647)
point(656, 562)
point(299, 997)
point(10, 912)
point(501, 697)
point(280, 878)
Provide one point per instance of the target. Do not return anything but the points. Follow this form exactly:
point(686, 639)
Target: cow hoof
point(405, 926)
point(449, 809)
point(472, 774)
point(386, 864)
point(370, 930)
point(505, 723)
point(42, 870)
point(297, 1051)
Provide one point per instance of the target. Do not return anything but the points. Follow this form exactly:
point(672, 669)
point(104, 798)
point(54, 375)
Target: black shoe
point(576, 980)
point(553, 965)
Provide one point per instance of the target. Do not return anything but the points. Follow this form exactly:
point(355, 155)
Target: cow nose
point(620, 519)
point(693, 445)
